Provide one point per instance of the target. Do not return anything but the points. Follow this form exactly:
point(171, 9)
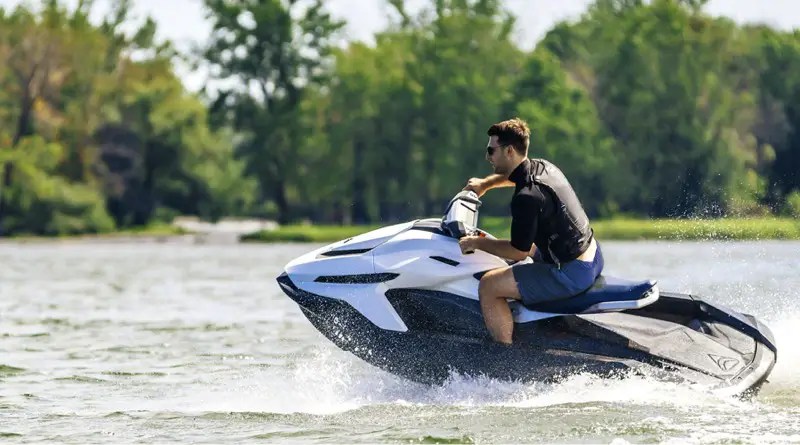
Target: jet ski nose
point(286, 284)
point(303, 299)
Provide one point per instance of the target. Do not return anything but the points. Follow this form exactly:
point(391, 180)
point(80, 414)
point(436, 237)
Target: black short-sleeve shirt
point(530, 208)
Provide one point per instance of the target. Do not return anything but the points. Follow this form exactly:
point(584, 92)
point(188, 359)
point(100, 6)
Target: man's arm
point(481, 186)
point(497, 247)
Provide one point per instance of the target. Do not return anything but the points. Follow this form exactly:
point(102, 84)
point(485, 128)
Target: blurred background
point(123, 114)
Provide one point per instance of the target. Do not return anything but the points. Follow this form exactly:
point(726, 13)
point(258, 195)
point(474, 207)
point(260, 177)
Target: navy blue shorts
point(539, 281)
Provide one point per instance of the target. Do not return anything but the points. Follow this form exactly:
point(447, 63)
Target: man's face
point(498, 156)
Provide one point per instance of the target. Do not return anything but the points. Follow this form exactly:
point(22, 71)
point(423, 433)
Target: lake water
point(142, 342)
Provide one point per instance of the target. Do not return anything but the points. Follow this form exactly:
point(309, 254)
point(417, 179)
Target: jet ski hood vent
point(364, 242)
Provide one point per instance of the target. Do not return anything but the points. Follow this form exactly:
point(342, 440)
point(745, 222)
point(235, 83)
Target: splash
point(326, 381)
point(783, 387)
point(333, 382)
point(786, 331)
point(320, 384)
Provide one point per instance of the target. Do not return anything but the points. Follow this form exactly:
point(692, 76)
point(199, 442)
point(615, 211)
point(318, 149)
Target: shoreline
point(739, 229)
point(628, 229)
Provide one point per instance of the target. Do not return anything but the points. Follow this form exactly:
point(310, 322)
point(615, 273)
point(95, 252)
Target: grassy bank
point(718, 229)
point(614, 229)
point(308, 233)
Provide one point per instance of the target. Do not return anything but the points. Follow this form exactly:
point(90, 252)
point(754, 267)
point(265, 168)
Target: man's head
point(508, 145)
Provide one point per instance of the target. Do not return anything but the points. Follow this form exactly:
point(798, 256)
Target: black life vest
point(568, 231)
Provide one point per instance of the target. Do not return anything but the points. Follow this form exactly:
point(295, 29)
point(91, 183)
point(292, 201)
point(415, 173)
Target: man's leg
point(495, 286)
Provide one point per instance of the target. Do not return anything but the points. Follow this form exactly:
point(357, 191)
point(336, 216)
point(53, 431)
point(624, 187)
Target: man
point(548, 223)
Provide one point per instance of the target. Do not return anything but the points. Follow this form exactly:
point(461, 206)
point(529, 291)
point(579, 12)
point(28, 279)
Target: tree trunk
point(23, 129)
point(405, 211)
point(430, 178)
point(360, 215)
point(4, 184)
point(281, 202)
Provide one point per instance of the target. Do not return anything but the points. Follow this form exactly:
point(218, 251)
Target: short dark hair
point(514, 132)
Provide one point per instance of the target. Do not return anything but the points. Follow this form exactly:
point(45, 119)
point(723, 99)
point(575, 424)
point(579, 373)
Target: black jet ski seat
point(606, 295)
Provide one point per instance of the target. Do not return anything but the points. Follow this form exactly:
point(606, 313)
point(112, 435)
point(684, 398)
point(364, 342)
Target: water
point(171, 342)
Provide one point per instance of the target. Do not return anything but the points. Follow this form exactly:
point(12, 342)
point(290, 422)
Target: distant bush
point(43, 203)
point(793, 204)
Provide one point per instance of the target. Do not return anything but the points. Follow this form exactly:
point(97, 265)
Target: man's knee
point(485, 289)
point(497, 283)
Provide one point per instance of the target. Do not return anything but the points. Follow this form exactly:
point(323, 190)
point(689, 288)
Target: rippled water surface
point(173, 342)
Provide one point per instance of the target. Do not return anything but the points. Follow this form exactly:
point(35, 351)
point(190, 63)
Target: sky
point(182, 21)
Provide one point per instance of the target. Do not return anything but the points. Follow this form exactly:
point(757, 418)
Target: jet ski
point(404, 298)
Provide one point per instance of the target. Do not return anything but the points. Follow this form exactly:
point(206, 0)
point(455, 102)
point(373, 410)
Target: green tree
point(94, 118)
point(40, 63)
point(271, 58)
point(159, 155)
point(567, 131)
point(663, 95)
point(464, 79)
point(371, 124)
point(781, 52)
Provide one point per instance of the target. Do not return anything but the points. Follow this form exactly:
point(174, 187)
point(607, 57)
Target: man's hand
point(496, 247)
point(468, 244)
point(475, 185)
point(483, 185)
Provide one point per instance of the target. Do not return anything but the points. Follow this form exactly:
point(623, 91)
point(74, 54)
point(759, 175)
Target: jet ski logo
point(724, 363)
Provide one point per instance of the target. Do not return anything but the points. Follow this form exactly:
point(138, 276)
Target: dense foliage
point(651, 108)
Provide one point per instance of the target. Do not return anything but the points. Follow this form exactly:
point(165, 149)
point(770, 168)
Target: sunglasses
point(490, 150)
